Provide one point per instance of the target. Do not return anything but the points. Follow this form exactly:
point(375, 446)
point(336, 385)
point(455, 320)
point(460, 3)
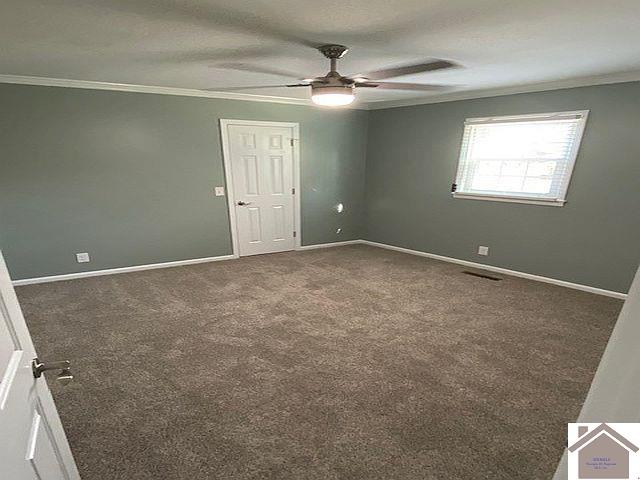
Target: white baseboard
point(151, 266)
point(506, 271)
point(112, 271)
point(328, 245)
point(467, 263)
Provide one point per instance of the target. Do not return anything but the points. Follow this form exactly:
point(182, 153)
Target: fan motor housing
point(333, 51)
point(324, 89)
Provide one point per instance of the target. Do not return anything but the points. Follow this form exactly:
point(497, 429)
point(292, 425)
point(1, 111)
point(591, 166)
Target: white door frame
point(228, 175)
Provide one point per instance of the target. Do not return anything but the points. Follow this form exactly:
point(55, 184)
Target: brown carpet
point(343, 363)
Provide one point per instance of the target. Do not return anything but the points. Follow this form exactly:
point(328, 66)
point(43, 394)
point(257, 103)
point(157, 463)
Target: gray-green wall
point(129, 177)
point(593, 240)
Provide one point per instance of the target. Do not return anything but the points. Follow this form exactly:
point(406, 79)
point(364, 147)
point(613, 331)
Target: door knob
point(64, 376)
point(241, 203)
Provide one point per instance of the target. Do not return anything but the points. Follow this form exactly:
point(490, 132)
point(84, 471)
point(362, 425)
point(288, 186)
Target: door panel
point(34, 446)
point(279, 222)
point(277, 180)
point(10, 356)
point(255, 225)
point(41, 453)
point(261, 160)
point(251, 175)
point(248, 140)
point(275, 142)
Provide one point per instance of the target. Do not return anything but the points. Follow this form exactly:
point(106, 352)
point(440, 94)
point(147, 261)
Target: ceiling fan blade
point(252, 87)
point(407, 70)
point(209, 55)
point(208, 15)
point(243, 67)
point(403, 86)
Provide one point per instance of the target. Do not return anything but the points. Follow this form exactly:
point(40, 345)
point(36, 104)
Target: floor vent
point(482, 275)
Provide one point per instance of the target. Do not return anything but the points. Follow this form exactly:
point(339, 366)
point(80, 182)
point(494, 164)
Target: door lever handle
point(241, 203)
point(65, 375)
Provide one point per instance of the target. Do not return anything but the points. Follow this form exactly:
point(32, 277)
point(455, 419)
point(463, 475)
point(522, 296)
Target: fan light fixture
point(334, 96)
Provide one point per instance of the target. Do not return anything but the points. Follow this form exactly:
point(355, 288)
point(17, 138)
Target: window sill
point(495, 198)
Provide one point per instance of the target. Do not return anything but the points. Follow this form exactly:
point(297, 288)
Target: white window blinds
point(528, 157)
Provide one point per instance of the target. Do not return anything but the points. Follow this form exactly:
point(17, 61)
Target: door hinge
point(293, 191)
point(454, 187)
point(295, 234)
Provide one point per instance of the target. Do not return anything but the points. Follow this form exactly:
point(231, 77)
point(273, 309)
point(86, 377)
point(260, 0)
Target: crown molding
point(513, 90)
point(125, 87)
point(377, 105)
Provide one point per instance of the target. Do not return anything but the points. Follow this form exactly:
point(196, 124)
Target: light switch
point(219, 191)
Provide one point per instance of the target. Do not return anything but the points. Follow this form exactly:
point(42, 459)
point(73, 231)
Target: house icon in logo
point(602, 453)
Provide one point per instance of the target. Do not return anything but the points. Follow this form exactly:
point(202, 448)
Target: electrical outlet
point(219, 191)
point(83, 257)
point(482, 250)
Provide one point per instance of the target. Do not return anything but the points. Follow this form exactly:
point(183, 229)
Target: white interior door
point(261, 160)
point(33, 445)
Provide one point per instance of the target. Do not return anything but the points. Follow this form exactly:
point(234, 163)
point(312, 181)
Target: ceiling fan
point(336, 90)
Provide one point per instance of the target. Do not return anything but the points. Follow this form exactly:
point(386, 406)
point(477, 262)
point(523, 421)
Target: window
point(526, 158)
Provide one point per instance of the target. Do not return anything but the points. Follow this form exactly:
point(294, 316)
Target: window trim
point(509, 199)
point(582, 115)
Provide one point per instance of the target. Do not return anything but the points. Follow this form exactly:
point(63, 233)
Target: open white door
point(260, 169)
point(33, 445)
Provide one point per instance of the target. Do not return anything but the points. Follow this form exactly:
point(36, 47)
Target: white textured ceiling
point(187, 43)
